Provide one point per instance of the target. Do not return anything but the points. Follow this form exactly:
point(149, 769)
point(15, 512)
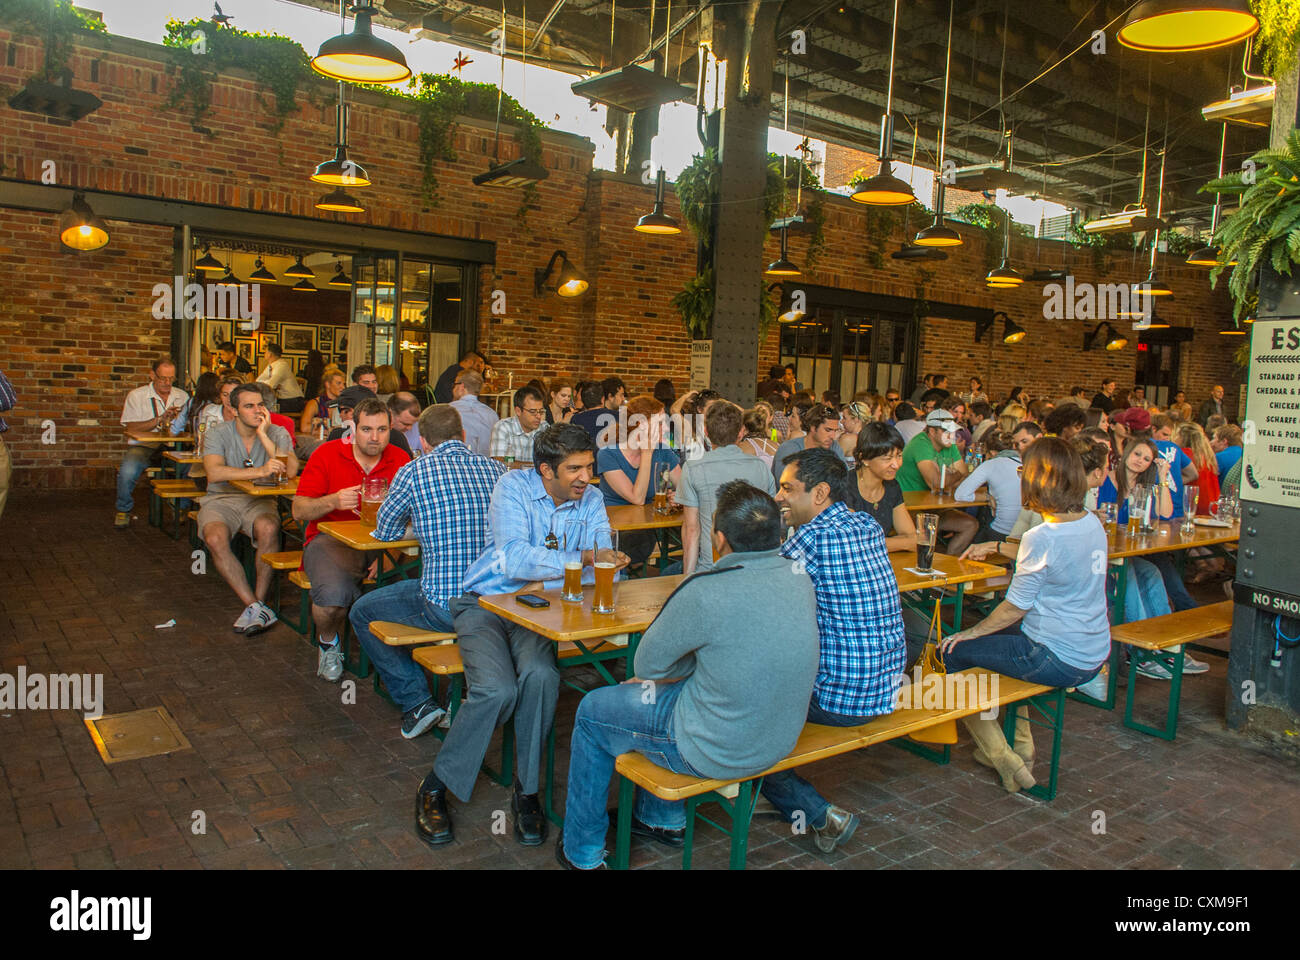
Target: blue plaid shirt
point(445, 494)
point(8, 400)
point(859, 613)
point(522, 520)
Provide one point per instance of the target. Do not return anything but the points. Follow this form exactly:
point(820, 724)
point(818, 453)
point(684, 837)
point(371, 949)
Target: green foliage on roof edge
point(57, 22)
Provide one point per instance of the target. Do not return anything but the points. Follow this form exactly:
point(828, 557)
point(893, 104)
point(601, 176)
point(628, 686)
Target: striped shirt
point(445, 495)
point(859, 613)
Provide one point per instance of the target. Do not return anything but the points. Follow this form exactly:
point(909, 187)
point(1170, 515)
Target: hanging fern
point(1265, 229)
point(57, 22)
point(1278, 40)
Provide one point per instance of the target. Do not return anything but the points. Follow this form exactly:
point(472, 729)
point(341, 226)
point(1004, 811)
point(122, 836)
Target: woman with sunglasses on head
point(874, 490)
point(852, 417)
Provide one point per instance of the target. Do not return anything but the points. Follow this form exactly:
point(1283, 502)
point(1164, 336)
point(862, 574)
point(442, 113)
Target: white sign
point(1272, 463)
point(701, 362)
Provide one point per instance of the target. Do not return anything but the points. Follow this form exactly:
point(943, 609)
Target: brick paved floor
point(288, 776)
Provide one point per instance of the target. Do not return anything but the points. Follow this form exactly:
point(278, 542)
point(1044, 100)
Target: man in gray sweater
point(749, 624)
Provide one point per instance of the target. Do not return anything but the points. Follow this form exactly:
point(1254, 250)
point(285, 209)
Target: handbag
point(931, 662)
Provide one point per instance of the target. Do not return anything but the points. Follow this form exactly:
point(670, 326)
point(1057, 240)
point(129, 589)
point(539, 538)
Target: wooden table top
point(151, 437)
point(358, 536)
point(916, 500)
point(286, 489)
point(637, 602)
point(182, 456)
point(631, 516)
point(1168, 537)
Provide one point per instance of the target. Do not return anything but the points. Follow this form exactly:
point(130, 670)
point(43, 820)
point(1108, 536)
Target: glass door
point(848, 350)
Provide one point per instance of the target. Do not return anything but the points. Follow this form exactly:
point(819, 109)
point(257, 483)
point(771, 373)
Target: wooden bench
point(171, 492)
point(305, 626)
point(818, 742)
point(1149, 641)
point(282, 561)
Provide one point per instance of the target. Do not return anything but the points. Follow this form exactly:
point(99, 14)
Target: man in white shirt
point(279, 377)
point(475, 416)
point(513, 436)
point(404, 408)
point(156, 405)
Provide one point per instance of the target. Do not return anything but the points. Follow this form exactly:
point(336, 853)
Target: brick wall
point(61, 311)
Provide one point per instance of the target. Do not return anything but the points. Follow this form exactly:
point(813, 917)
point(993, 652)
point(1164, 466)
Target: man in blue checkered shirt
point(445, 496)
point(859, 620)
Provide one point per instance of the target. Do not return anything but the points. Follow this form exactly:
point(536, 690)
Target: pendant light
point(340, 201)
point(300, 269)
point(939, 234)
point(1003, 276)
point(360, 56)
point(228, 279)
point(339, 171)
point(1179, 26)
point(1208, 255)
point(208, 261)
point(261, 273)
point(782, 266)
point(1012, 332)
point(658, 222)
point(884, 189)
point(79, 227)
point(304, 286)
point(340, 279)
point(1151, 287)
point(907, 251)
point(1111, 339)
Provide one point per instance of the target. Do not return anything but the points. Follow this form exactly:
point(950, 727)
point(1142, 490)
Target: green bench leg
point(623, 834)
point(1174, 664)
point(506, 777)
point(1051, 710)
point(742, 810)
point(548, 795)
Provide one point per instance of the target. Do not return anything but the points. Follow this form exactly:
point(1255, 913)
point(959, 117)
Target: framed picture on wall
point(297, 338)
point(270, 329)
point(326, 339)
point(246, 347)
point(296, 362)
point(215, 333)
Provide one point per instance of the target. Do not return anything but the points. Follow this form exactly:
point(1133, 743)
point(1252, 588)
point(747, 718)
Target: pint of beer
point(661, 502)
point(370, 512)
point(603, 600)
point(572, 591)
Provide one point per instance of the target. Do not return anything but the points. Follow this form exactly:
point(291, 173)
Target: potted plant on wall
point(1264, 232)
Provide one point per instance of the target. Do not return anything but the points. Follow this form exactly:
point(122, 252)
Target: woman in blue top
point(1052, 626)
point(627, 470)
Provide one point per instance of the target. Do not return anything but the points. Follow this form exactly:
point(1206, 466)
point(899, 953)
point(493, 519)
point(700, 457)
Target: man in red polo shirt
point(330, 489)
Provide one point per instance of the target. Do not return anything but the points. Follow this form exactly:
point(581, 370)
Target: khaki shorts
point(238, 511)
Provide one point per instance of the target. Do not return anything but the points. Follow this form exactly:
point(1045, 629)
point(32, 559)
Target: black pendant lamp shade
point(304, 286)
point(884, 189)
point(1003, 276)
point(208, 261)
point(261, 273)
point(339, 201)
point(656, 221)
point(80, 228)
point(300, 269)
point(228, 279)
point(1179, 26)
point(782, 266)
point(340, 279)
point(339, 171)
point(360, 56)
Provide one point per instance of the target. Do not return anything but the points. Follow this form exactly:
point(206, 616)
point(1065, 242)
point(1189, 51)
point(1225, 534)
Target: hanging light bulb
point(228, 279)
point(1178, 26)
point(360, 56)
point(939, 234)
point(261, 273)
point(1003, 276)
point(656, 221)
point(782, 266)
point(79, 227)
point(883, 189)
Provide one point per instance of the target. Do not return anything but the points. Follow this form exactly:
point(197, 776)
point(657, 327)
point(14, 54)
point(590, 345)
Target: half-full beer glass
point(927, 532)
point(602, 600)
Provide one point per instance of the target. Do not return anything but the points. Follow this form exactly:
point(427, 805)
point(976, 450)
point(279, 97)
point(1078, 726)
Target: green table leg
point(1174, 664)
point(623, 835)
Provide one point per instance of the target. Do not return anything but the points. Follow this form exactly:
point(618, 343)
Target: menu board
point(701, 363)
point(1271, 473)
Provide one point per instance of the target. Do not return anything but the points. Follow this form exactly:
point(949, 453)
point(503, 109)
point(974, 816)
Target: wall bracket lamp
point(569, 281)
point(1111, 339)
point(1012, 332)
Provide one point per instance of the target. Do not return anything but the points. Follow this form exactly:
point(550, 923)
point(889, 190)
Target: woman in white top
point(1001, 471)
point(279, 376)
point(1052, 627)
point(757, 440)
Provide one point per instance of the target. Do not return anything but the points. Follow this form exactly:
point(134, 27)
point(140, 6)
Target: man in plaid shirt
point(513, 436)
point(445, 495)
point(859, 619)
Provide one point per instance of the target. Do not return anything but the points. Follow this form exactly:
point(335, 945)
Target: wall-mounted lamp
point(1110, 338)
point(569, 281)
point(80, 228)
point(1012, 332)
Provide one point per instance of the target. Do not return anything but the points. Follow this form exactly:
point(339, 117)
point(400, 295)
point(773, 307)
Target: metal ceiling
point(1077, 125)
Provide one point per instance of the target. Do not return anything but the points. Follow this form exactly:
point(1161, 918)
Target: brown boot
point(1024, 745)
point(993, 747)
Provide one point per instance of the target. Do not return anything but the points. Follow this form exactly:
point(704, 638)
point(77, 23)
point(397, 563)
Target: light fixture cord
point(947, 71)
point(1223, 147)
point(1146, 138)
point(501, 87)
point(668, 27)
point(1160, 190)
point(893, 39)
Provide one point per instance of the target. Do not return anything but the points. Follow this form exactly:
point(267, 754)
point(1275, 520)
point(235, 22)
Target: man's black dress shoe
point(669, 838)
point(530, 822)
point(564, 860)
point(432, 821)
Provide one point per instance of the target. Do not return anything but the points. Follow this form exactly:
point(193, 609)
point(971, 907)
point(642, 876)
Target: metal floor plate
point(132, 736)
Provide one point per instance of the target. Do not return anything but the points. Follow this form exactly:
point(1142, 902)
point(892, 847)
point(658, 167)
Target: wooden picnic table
point(358, 536)
point(918, 500)
point(1168, 536)
point(151, 437)
point(287, 489)
point(182, 456)
point(634, 516)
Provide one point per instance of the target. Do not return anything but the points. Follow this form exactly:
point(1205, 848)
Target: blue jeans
point(610, 721)
point(398, 603)
point(791, 793)
point(1144, 595)
point(135, 462)
point(1178, 595)
point(1016, 655)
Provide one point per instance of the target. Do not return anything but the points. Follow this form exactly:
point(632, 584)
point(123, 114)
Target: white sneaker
point(263, 619)
point(246, 618)
point(1096, 687)
point(329, 664)
point(1156, 671)
point(1192, 665)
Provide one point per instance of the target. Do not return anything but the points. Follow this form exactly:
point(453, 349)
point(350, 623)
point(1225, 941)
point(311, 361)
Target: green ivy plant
point(279, 65)
point(991, 220)
point(1278, 40)
point(1265, 228)
point(58, 22)
point(694, 302)
point(1099, 244)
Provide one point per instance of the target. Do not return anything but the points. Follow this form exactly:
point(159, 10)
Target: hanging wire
point(501, 87)
point(668, 28)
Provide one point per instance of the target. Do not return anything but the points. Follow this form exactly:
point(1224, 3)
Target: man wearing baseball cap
point(348, 400)
point(930, 452)
point(1134, 419)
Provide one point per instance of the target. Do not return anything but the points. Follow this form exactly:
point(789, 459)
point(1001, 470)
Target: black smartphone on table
point(532, 600)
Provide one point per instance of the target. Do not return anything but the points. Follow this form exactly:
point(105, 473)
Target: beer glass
point(575, 533)
point(659, 476)
point(927, 532)
point(1190, 496)
point(602, 600)
point(1109, 516)
point(373, 491)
